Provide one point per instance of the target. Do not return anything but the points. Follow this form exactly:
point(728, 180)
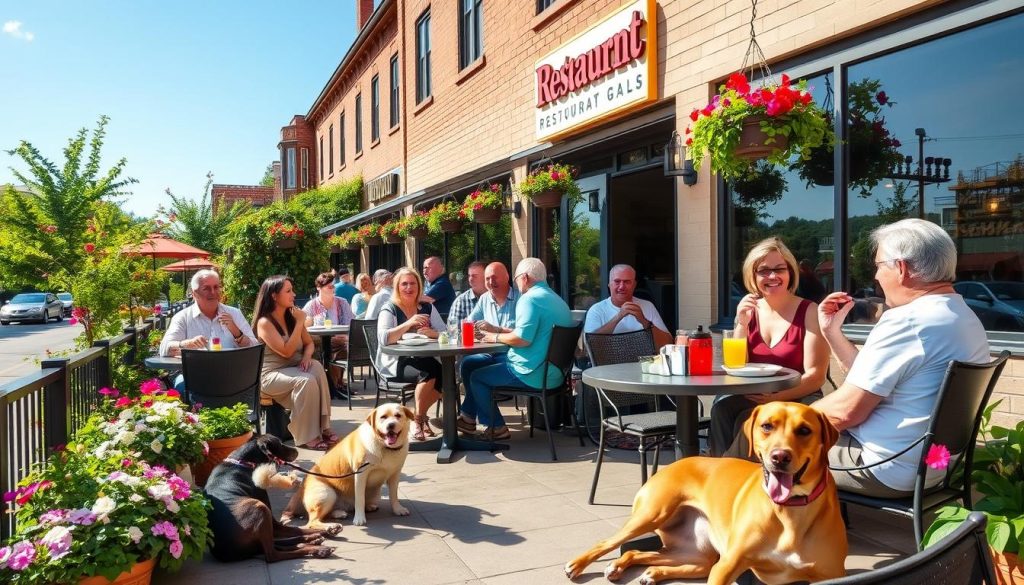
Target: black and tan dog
point(718, 517)
point(241, 519)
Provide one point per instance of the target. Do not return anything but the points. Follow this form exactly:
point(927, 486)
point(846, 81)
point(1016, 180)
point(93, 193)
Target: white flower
point(156, 446)
point(125, 437)
point(135, 533)
point(141, 428)
point(153, 418)
point(104, 505)
point(125, 414)
point(172, 506)
point(160, 491)
point(136, 498)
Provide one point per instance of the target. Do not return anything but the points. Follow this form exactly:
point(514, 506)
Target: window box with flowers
point(446, 216)
point(349, 240)
point(285, 236)
point(416, 224)
point(484, 204)
point(743, 124)
point(546, 186)
point(391, 230)
point(369, 234)
point(91, 519)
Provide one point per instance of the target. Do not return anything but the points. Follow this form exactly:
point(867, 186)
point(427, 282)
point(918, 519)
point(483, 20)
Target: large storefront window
point(957, 99)
point(931, 131)
point(494, 242)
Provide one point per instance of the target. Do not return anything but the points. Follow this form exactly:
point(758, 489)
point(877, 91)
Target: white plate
point(414, 336)
point(415, 341)
point(753, 370)
point(315, 328)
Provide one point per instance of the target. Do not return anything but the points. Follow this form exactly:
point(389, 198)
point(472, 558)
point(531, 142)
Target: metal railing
point(41, 411)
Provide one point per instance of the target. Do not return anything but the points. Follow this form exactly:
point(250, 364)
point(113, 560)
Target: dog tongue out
point(391, 438)
point(778, 487)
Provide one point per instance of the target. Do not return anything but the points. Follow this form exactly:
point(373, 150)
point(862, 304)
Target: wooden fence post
point(57, 402)
point(103, 373)
point(133, 345)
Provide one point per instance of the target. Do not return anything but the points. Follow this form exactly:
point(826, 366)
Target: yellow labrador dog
point(370, 456)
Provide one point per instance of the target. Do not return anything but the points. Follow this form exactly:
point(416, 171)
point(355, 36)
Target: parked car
point(998, 304)
point(68, 301)
point(34, 306)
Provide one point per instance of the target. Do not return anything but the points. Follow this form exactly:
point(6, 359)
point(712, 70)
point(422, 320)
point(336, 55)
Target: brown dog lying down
point(719, 517)
point(366, 458)
point(240, 518)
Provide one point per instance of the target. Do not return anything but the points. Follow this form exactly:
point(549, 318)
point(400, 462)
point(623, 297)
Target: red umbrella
point(161, 246)
point(189, 265)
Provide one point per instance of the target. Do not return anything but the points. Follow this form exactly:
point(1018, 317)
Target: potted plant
point(743, 124)
point(155, 424)
point(350, 240)
point(369, 234)
point(446, 216)
point(224, 429)
point(391, 231)
point(546, 186)
point(285, 236)
point(484, 204)
point(998, 474)
point(416, 224)
point(95, 520)
point(873, 151)
point(763, 185)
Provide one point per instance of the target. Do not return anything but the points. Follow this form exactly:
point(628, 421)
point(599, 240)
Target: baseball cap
point(342, 271)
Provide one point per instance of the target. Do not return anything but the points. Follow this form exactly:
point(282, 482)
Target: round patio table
point(167, 363)
point(449, 442)
point(627, 377)
point(325, 334)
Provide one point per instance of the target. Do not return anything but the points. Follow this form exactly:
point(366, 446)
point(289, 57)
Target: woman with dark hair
point(325, 305)
point(290, 375)
point(405, 313)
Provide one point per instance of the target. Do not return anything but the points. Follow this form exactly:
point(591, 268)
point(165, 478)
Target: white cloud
point(13, 28)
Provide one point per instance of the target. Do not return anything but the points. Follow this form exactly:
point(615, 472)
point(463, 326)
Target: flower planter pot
point(752, 140)
point(394, 239)
point(373, 241)
point(139, 574)
point(219, 450)
point(1008, 568)
point(547, 199)
point(286, 243)
point(451, 226)
point(487, 215)
point(335, 249)
point(418, 233)
point(354, 246)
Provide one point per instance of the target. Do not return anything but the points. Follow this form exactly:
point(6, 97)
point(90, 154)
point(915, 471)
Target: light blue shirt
point(487, 309)
point(537, 311)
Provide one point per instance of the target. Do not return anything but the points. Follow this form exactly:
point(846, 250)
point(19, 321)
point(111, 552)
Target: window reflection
point(585, 264)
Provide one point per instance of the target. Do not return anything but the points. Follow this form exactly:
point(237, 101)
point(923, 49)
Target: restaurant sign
point(381, 188)
point(609, 69)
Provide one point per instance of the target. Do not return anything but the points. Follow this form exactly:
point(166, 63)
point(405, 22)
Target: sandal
point(318, 445)
point(502, 434)
point(423, 421)
point(329, 436)
point(465, 426)
point(417, 431)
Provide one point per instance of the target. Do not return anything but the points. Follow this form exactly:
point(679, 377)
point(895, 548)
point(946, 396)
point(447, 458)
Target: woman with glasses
point(780, 328)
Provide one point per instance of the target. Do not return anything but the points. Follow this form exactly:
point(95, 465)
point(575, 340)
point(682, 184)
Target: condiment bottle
point(701, 351)
point(215, 344)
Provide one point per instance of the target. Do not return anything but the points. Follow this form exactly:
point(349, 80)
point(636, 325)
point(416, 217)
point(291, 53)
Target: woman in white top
point(406, 314)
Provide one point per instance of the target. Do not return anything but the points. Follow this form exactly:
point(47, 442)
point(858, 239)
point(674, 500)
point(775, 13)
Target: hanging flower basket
point(418, 233)
point(755, 143)
point(393, 231)
point(286, 243)
point(548, 199)
point(394, 240)
point(487, 216)
point(451, 226)
point(335, 249)
point(369, 234)
point(484, 204)
point(353, 245)
point(141, 573)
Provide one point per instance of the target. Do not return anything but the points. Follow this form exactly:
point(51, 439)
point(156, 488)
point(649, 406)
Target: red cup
point(467, 333)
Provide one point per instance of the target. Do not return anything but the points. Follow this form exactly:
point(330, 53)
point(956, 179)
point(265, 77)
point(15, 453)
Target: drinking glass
point(318, 320)
point(734, 350)
point(682, 337)
point(467, 333)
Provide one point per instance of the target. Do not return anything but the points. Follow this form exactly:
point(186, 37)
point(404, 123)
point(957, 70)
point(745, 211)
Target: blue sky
point(189, 86)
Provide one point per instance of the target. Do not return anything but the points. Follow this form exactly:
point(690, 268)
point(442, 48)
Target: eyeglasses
point(889, 262)
point(766, 272)
point(516, 277)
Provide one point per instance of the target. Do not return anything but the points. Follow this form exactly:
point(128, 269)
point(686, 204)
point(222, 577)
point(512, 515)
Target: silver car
point(38, 306)
point(68, 301)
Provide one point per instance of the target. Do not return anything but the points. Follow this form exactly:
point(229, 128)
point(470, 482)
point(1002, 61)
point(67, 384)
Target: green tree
point(268, 176)
point(330, 203)
point(43, 233)
point(202, 223)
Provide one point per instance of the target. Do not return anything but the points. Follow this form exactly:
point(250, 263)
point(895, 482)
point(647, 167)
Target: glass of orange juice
point(734, 350)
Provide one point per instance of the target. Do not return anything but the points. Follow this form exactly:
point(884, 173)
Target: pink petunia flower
point(58, 540)
point(22, 555)
point(150, 386)
point(123, 402)
point(111, 392)
point(937, 457)
point(175, 549)
point(82, 517)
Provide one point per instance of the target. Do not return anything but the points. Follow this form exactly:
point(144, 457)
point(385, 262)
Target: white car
point(68, 301)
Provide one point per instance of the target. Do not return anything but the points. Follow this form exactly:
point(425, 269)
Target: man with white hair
point(622, 312)
point(382, 280)
point(888, 396)
point(195, 326)
point(537, 311)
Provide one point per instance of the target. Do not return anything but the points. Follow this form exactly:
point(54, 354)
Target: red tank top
point(789, 351)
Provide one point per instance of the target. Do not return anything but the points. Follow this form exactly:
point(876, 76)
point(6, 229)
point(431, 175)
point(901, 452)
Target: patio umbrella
point(161, 246)
point(189, 265)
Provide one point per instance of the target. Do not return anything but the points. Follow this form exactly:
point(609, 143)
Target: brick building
point(256, 195)
point(433, 98)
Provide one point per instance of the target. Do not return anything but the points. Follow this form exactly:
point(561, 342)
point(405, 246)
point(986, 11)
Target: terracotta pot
point(547, 199)
point(487, 215)
point(752, 140)
point(1008, 568)
point(451, 226)
point(394, 239)
point(219, 450)
point(139, 574)
point(376, 241)
point(286, 243)
point(418, 233)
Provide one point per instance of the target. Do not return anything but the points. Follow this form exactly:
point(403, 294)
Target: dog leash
point(280, 461)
